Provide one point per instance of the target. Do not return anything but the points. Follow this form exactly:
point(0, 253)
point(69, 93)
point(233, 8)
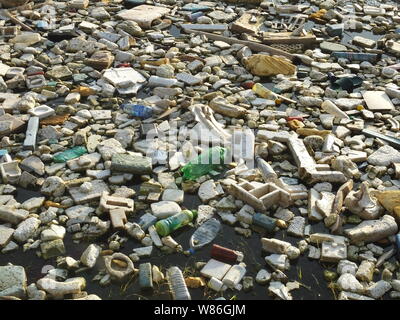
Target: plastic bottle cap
point(191, 251)
point(161, 229)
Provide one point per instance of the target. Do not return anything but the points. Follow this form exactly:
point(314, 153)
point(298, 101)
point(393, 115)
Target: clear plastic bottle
point(165, 226)
point(177, 284)
point(138, 110)
point(204, 234)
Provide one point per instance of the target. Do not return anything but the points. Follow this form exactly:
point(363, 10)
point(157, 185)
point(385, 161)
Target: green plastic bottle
point(165, 226)
point(72, 153)
point(207, 161)
point(264, 221)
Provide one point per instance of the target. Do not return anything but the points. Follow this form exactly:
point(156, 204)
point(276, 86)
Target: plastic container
point(207, 161)
point(146, 221)
point(138, 110)
point(177, 284)
point(263, 92)
point(225, 255)
point(3, 152)
point(329, 107)
point(145, 277)
point(72, 153)
point(165, 226)
point(195, 15)
point(31, 133)
point(204, 234)
point(267, 172)
point(215, 284)
point(42, 25)
point(234, 276)
point(155, 81)
point(265, 222)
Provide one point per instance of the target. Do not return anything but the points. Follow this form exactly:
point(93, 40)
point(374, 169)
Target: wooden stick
point(17, 21)
point(258, 47)
point(286, 38)
point(286, 99)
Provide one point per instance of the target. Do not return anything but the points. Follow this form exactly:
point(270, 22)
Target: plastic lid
point(194, 214)
point(191, 213)
point(161, 229)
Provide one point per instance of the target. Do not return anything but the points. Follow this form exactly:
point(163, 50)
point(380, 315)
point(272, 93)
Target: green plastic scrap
point(69, 154)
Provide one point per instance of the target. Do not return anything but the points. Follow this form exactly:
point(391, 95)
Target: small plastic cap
point(240, 256)
point(281, 224)
point(191, 251)
point(161, 229)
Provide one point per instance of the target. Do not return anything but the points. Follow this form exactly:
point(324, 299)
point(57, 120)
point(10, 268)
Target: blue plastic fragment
point(195, 7)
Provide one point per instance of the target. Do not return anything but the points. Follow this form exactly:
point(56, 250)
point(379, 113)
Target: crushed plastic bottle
point(165, 226)
point(195, 15)
point(265, 222)
point(207, 161)
point(42, 25)
point(355, 56)
point(204, 234)
point(72, 153)
point(263, 92)
point(177, 284)
point(138, 110)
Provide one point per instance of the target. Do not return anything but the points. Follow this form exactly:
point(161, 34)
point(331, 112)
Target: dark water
point(306, 271)
point(311, 271)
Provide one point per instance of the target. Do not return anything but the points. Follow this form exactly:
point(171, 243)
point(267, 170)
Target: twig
point(17, 21)
point(252, 45)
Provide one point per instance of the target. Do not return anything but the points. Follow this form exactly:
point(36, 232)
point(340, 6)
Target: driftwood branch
point(16, 20)
point(258, 47)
